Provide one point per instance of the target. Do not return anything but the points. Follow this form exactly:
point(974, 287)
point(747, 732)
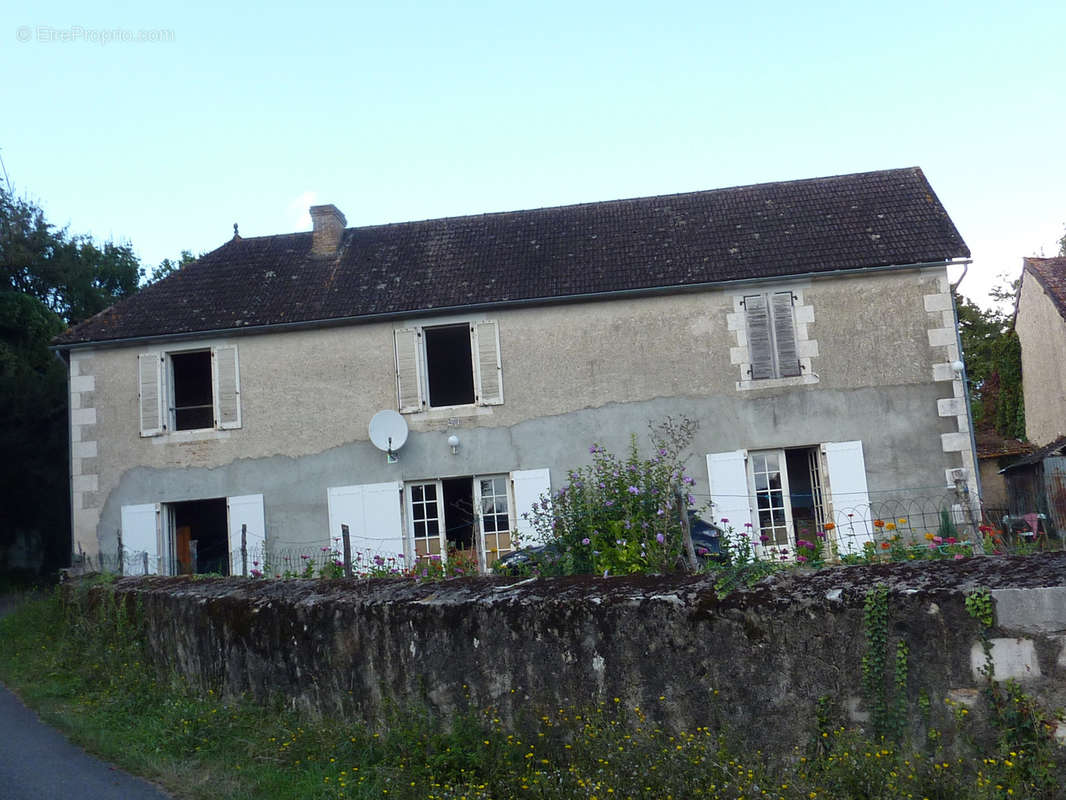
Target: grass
point(86, 670)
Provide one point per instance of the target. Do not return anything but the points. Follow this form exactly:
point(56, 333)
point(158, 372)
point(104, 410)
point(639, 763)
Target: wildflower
point(586, 540)
point(958, 556)
point(877, 523)
point(820, 534)
point(724, 519)
point(633, 490)
point(660, 538)
point(938, 539)
point(764, 538)
point(929, 537)
point(747, 525)
point(885, 545)
point(890, 526)
point(951, 540)
point(801, 559)
point(829, 526)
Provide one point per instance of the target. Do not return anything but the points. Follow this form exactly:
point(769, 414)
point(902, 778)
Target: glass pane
point(760, 481)
point(779, 517)
point(416, 493)
point(420, 529)
point(431, 491)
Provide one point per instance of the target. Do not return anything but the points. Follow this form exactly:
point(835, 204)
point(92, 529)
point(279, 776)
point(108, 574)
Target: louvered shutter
point(150, 376)
point(227, 388)
point(409, 370)
point(759, 346)
point(486, 346)
point(788, 365)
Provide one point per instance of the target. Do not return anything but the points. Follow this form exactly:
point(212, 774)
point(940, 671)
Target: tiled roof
point(993, 445)
point(766, 230)
point(1056, 448)
point(1051, 274)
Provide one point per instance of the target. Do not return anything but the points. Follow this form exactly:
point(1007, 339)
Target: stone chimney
point(327, 229)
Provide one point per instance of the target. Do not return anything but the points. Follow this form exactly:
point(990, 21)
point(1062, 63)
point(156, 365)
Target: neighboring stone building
point(1040, 321)
point(808, 326)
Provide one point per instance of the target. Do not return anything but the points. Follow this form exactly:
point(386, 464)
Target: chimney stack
point(327, 228)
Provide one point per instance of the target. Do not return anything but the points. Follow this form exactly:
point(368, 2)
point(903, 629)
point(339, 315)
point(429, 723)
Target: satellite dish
point(388, 432)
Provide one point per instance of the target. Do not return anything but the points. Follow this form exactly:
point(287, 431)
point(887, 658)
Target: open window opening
point(191, 390)
point(789, 499)
point(199, 540)
point(449, 365)
point(468, 515)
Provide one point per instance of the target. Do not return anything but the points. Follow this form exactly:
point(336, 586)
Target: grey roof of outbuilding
point(846, 222)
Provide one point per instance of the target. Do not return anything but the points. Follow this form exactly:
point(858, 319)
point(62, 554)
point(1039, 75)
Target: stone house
point(1040, 321)
point(807, 325)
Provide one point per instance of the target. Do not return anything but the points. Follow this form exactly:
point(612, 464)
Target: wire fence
point(946, 520)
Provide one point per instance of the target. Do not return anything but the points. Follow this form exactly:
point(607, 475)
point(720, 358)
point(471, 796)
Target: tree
point(168, 267)
point(993, 363)
point(50, 279)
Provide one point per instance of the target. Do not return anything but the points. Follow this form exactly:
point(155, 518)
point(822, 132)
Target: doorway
point(199, 538)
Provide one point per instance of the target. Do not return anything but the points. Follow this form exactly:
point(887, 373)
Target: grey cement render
point(1042, 334)
point(572, 375)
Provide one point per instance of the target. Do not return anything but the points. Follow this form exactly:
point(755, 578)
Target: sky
point(163, 126)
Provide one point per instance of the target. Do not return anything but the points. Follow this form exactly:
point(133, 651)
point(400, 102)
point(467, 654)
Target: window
point(194, 389)
point(441, 366)
point(225, 535)
point(789, 494)
point(771, 330)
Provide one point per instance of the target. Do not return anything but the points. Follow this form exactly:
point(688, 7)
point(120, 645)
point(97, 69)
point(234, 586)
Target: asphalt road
point(38, 763)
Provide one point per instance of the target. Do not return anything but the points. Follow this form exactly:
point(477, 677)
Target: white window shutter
point(727, 474)
point(373, 515)
point(140, 537)
point(150, 393)
point(785, 336)
point(227, 387)
point(848, 494)
point(760, 352)
point(409, 370)
point(528, 485)
point(487, 367)
point(246, 510)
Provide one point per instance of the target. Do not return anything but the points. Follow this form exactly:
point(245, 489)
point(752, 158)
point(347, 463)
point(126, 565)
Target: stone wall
point(756, 662)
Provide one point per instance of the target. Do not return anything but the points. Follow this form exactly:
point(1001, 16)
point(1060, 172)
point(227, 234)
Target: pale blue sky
point(405, 110)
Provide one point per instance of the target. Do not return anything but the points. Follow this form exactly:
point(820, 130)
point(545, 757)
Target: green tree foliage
point(168, 267)
point(50, 279)
point(993, 363)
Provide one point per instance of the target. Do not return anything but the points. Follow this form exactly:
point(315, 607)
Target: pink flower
point(724, 519)
point(801, 558)
point(958, 556)
point(660, 538)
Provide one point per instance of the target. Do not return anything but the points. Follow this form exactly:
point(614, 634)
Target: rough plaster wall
point(754, 664)
point(573, 374)
point(1042, 333)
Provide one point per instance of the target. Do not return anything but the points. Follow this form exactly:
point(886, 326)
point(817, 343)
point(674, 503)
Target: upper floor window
point(771, 336)
point(195, 389)
point(440, 366)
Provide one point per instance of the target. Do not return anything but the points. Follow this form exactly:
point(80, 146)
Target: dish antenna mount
point(388, 432)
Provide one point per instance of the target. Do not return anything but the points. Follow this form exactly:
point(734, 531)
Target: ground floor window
point(468, 515)
point(787, 487)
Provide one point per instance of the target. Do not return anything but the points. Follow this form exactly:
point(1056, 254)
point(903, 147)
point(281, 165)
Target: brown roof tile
point(1050, 273)
point(767, 230)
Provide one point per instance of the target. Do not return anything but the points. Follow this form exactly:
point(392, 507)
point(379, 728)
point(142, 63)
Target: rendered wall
point(572, 374)
point(754, 664)
point(1042, 333)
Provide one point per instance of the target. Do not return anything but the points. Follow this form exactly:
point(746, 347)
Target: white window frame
point(412, 372)
point(522, 488)
point(155, 391)
point(842, 492)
